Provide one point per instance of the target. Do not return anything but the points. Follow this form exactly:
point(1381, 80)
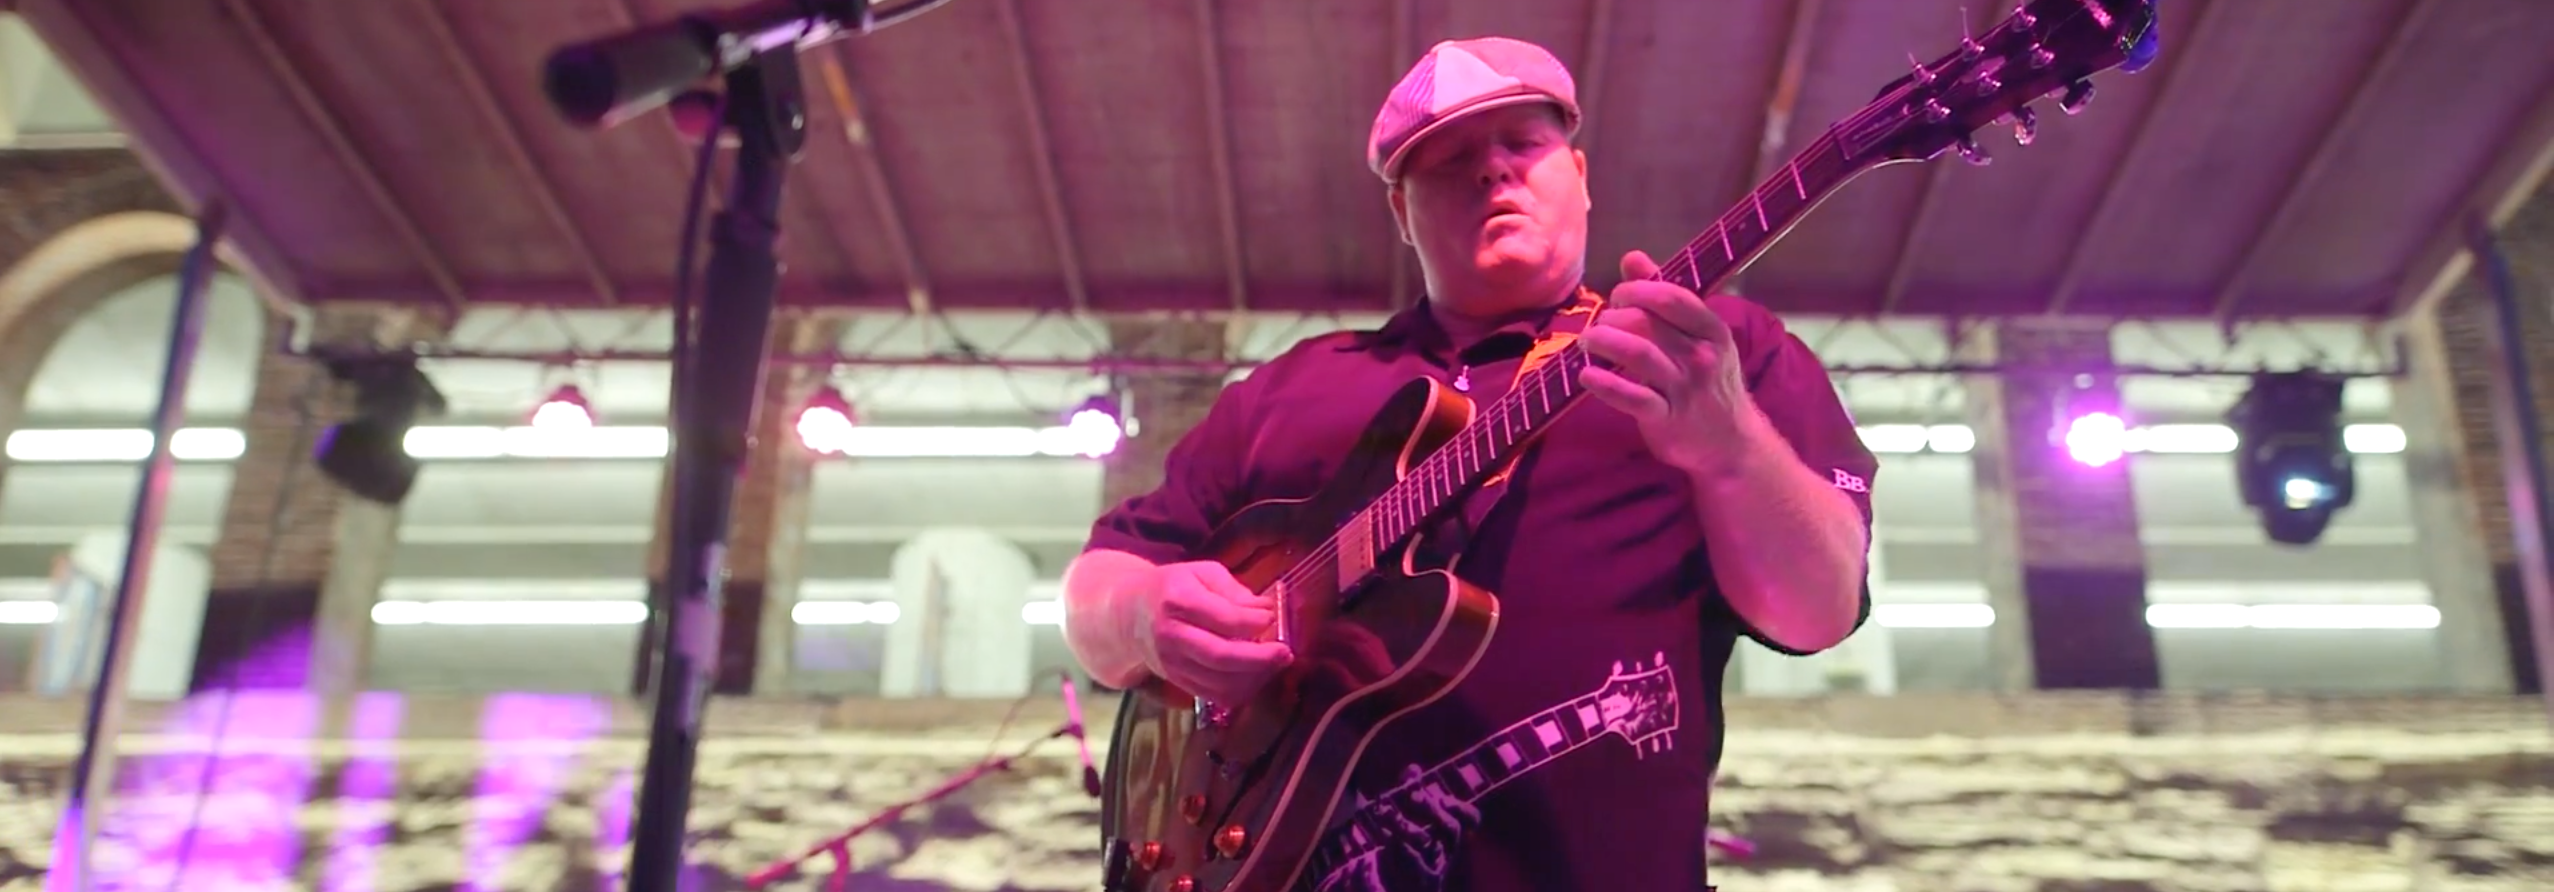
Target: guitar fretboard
point(1501, 429)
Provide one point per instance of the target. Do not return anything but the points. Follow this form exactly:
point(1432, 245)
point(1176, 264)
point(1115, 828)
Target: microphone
point(1081, 738)
point(603, 82)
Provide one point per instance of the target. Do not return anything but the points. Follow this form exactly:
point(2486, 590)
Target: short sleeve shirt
point(1611, 624)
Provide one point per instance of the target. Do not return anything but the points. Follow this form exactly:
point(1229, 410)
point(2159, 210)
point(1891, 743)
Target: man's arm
point(1098, 625)
point(1789, 527)
point(1201, 485)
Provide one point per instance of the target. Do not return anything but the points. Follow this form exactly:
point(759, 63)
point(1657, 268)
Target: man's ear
point(1400, 212)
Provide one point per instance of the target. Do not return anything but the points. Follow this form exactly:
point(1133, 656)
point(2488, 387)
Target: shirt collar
point(1417, 327)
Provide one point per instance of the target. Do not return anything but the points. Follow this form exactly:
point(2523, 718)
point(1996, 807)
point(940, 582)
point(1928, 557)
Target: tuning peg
point(2026, 126)
point(2040, 57)
point(2022, 16)
point(1923, 75)
point(1935, 112)
point(2077, 95)
point(1972, 153)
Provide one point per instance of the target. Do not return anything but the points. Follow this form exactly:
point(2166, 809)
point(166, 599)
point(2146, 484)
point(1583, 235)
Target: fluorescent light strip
point(647, 442)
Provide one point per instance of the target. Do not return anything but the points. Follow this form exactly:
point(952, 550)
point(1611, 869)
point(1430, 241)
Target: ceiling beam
point(484, 101)
point(1774, 134)
point(2496, 195)
point(2097, 225)
point(1219, 136)
point(253, 25)
point(1068, 254)
point(873, 170)
point(177, 162)
point(2230, 293)
point(1404, 33)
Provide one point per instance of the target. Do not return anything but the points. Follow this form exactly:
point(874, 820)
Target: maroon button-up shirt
point(1598, 560)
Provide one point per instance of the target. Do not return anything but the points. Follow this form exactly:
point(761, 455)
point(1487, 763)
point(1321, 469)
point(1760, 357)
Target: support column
point(299, 563)
point(2455, 444)
point(1164, 405)
point(767, 527)
point(958, 631)
point(2065, 569)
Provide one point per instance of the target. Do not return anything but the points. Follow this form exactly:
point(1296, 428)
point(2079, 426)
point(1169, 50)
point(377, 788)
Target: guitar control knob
point(1192, 808)
point(1229, 841)
point(2026, 126)
point(1149, 856)
point(1184, 884)
point(2077, 95)
point(1970, 152)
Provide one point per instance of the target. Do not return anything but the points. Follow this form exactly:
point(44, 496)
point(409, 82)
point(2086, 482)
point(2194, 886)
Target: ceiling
point(2284, 158)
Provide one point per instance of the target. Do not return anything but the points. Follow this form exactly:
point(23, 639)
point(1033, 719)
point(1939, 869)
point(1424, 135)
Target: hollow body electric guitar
point(1238, 797)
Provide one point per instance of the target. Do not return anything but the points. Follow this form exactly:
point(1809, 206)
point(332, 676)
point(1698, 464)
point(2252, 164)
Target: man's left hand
point(1672, 364)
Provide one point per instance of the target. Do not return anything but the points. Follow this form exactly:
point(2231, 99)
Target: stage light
point(825, 424)
point(2291, 455)
point(367, 454)
point(1094, 429)
point(566, 409)
point(2097, 438)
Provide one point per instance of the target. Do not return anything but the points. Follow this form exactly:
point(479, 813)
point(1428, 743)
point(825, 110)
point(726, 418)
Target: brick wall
point(2065, 569)
point(281, 537)
point(2031, 793)
point(2462, 337)
point(1165, 404)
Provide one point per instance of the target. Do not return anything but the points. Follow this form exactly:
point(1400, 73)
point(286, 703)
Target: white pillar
point(84, 584)
point(958, 632)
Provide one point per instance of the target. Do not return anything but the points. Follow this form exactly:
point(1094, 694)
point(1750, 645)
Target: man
point(1714, 487)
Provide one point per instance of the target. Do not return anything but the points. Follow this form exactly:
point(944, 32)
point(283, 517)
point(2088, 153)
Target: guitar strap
point(1584, 307)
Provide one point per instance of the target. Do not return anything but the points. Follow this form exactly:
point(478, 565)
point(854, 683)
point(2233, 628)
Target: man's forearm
point(1097, 620)
point(1788, 548)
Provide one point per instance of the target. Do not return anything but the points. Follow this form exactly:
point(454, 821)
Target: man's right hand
point(1201, 630)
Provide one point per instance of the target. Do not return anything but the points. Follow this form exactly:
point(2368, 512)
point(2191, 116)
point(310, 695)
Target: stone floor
point(1971, 794)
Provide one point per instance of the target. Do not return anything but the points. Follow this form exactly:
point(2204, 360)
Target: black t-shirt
point(1587, 735)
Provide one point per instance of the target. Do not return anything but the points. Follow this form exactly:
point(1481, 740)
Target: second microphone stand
point(840, 846)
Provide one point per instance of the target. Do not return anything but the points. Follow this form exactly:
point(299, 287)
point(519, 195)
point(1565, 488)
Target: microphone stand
point(840, 846)
point(717, 391)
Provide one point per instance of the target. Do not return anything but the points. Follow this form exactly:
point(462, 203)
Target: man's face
point(1497, 202)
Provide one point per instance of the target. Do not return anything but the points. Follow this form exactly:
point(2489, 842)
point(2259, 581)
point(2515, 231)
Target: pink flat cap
point(1461, 77)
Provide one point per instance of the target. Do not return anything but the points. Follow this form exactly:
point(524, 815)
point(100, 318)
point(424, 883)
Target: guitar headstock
point(1639, 703)
point(2045, 47)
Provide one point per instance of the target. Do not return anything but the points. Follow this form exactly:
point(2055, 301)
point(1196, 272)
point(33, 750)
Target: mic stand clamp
point(839, 847)
point(716, 392)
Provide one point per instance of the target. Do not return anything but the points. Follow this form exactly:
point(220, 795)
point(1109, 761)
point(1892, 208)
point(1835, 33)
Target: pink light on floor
point(2097, 438)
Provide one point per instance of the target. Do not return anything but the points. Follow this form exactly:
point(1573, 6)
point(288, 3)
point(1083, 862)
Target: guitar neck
point(1501, 429)
point(1505, 756)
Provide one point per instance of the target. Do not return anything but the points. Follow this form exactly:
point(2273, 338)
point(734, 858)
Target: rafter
point(2495, 196)
point(1219, 135)
point(1780, 104)
point(2230, 292)
point(1404, 28)
point(2098, 224)
point(106, 69)
point(484, 101)
point(873, 170)
point(1042, 151)
point(253, 26)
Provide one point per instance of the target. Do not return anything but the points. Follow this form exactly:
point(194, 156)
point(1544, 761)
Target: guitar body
point(1235, 799)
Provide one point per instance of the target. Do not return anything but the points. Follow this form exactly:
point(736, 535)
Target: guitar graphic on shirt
point(1638, 704)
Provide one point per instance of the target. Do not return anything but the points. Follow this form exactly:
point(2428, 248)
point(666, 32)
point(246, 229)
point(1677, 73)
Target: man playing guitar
point(1716, 488)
